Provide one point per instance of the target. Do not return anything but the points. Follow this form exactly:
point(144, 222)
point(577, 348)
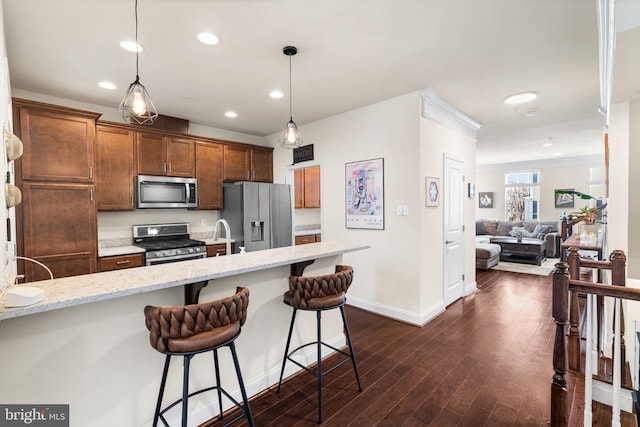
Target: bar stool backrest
point(166, 323)
point(304, 288)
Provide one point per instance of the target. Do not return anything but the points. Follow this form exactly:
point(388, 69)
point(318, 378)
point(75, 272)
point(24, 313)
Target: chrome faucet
point(227, 234)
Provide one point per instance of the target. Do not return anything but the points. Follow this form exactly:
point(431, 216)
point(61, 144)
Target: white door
point(453, 198)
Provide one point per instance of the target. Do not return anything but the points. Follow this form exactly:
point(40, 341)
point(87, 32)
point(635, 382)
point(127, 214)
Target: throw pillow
point(541, 230)
point(480, 228)
point(490, 226)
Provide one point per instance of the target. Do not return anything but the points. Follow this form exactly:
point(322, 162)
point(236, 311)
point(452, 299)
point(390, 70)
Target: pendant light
point(136, 106)
point(290, 137)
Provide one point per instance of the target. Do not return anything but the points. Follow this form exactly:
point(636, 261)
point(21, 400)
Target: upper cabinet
point(248, 163)
point(209, 174)
point(115, 168)
point(166, 156)
point(307, 187)
point(58, 143)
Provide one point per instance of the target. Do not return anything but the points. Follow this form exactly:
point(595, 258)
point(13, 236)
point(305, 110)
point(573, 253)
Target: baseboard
point(470, 288)
point(257, 384)
point(603, 393)
point(396, 313)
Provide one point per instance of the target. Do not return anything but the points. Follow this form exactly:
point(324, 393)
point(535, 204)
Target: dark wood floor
point(486, 361)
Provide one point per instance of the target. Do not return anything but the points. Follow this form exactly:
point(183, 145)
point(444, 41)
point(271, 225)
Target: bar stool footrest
point(348, 357)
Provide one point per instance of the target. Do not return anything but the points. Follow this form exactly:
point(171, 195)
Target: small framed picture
point(432, 191)
point(472, 190)
point(485, 200)
point(564, 200)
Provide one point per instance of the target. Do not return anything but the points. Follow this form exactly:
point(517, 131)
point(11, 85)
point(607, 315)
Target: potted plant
point(586, 217)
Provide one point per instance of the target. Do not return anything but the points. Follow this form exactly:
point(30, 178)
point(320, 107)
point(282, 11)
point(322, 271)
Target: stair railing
point(566, 352)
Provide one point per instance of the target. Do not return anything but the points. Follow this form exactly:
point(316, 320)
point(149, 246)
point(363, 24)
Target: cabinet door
point(298, 188)
point(59, 229)
point(115, 169)
point(151, 154)
point(261, 165)
point(57, 146)
point(120, 262)
point(180, 157)
point(209, 175)
point(237, 163)
point(312, 187)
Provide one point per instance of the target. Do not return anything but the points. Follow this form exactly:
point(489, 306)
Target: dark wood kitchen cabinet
point(58, 142)
point(248, 164)
point(209, 160)
point(59, 229)
point(115, 168)
point(307, 187)
point(165, 156)
point(119, 262)
point(219, 249)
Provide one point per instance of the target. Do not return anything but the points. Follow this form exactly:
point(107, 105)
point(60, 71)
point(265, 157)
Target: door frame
point(289, 180)
point(446, 200)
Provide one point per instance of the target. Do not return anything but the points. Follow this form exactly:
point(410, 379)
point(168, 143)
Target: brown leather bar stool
point(189, 330)
point(318, 294)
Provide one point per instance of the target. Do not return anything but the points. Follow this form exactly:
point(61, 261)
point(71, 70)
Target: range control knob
point(190, 250)
point(197, 249)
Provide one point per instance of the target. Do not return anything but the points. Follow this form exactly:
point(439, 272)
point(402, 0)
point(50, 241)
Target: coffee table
point(528, 251)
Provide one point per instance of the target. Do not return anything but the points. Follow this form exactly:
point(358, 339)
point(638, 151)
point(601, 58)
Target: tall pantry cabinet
point(57, 218)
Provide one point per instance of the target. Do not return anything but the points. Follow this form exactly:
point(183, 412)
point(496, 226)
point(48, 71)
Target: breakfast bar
point(86, 344)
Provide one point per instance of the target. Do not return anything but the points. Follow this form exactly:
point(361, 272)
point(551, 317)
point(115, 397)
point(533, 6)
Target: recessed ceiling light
point(131, 46)
point(558, 154)
point(547, 144)
point(276, 94)
point(531, 113)
point(520, 98)
point(107, 85)
point(231, 114)
point(208, 38)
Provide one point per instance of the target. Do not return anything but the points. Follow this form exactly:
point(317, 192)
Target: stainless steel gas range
point(165, 243)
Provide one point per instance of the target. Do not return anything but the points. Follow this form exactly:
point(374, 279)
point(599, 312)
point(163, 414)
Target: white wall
point(632, 195)
point(7, 247)
point(390, 277)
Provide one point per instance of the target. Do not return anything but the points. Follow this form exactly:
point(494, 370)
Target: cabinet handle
point(91, 194)
point(131, 201)
point(248, 176)
point(253, 174)
point(169, 167)
point(90, 171)
point(164, 166)
point(123, 262)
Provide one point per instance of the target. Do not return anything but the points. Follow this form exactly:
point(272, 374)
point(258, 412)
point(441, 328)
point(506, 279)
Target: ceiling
point(350, 54)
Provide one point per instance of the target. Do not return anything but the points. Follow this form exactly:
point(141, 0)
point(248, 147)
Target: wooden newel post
point(560, 313)
point(573, 260)
point(618, 264)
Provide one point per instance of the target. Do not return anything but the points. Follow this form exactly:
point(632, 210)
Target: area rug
point(541, 270)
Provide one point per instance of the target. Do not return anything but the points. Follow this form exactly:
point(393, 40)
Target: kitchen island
point(86, 344)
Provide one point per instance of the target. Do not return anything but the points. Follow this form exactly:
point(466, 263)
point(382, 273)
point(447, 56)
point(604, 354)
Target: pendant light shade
point(290, 137)
point(136, 106)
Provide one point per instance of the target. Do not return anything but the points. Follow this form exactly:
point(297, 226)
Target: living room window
point(522, 195)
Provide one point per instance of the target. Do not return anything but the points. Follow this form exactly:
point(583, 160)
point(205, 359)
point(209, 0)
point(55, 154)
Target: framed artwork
point(564, 200)
point(472, 190)
point(364, 191)
point(432, 191)
point(485, 199)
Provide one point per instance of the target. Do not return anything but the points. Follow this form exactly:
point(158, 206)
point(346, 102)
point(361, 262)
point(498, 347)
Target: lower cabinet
point(120, 262)
point(219, 249)
point(310, 238)
point(58, 229)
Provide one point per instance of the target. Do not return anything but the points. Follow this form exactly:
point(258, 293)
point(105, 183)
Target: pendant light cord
point(137, 45)
point(290, 90)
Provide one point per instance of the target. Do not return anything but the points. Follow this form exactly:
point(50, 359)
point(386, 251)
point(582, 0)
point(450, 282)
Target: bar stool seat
point(319, 293)
point(193, 329)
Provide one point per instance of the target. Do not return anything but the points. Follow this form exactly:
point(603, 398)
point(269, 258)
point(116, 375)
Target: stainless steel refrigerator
point(259, 214)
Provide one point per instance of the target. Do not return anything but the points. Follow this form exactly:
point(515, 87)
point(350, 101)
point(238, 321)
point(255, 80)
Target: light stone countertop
point(120, 250)
point(88, 288)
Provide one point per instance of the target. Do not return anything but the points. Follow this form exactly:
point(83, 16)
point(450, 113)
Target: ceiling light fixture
point(290, 137)
point(531, 113)
point(520, 98)
point(276, 94)
point(231, 114)
point(136, 106)
point(131, 46)
point(107, 85)
point(208, 38)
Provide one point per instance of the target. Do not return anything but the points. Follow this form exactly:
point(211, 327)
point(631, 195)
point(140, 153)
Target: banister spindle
point(560, 312)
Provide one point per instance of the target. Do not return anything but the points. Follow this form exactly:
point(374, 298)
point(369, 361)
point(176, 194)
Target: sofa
point(544, 230)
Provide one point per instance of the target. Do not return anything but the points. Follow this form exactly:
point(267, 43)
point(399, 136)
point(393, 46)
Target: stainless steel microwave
point(166, 192)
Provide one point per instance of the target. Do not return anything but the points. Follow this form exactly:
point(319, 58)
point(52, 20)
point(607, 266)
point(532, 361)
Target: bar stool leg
point(161, 392)
point(217, 367)
point(286, 349)
point(185, 389)
point(353, 355)
point(247, 409)
point(319, 372)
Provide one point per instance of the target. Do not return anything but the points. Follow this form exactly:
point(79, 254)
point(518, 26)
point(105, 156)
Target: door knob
point(448, 241)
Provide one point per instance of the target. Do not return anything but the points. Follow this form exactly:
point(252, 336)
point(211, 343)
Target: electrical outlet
point(203, 222)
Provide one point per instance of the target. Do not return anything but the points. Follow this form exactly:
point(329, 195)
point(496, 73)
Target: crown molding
point(564, 162)
point(437, 109)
